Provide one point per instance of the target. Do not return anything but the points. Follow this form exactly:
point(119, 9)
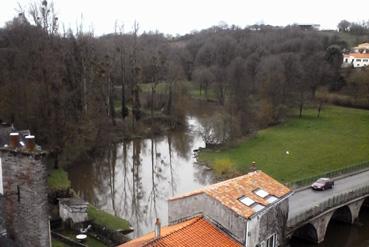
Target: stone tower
point(24, 175)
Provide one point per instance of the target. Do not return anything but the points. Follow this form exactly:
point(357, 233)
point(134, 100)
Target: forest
point(72, 88)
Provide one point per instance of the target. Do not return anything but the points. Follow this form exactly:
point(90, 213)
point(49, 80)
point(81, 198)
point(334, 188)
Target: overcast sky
point(180, 17)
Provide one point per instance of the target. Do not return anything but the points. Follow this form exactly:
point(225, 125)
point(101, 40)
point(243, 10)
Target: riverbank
point(58, 181)
point(299, 148)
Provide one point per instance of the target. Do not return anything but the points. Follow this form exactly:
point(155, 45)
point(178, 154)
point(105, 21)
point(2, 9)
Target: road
point(303, 200)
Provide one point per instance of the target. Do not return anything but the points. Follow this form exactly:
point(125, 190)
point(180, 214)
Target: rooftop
point(357, 55)
point(194, 232)
point(246, 194)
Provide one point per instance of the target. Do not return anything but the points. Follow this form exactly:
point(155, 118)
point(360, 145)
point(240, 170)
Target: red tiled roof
point(194, 232)
point(230, 191)
point(357, 55)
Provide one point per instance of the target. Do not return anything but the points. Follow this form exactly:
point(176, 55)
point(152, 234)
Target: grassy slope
point(106, 219)
point(337, 139)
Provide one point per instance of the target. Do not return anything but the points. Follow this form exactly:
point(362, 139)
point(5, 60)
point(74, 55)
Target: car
point(323, 184)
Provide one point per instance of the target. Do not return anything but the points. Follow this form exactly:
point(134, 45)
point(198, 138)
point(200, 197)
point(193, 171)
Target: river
point(134, 179)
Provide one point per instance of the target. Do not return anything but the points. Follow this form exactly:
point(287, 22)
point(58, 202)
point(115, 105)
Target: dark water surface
point(134, 179)
point(343, 235)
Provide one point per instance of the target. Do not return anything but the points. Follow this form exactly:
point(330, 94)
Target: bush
point(223, 167)
point(58, 180)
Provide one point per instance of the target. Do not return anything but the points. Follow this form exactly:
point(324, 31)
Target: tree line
point(71, 88)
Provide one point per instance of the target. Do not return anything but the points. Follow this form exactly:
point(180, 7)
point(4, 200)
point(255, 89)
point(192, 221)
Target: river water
point(134, 179)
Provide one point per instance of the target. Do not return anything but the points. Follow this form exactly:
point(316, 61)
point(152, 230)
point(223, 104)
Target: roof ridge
point(175, 231)
point(212, 186)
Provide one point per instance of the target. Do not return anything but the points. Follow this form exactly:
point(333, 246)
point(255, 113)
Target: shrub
point(223, 167)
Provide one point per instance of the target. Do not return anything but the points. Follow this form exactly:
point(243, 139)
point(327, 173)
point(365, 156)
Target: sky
point(181, 17)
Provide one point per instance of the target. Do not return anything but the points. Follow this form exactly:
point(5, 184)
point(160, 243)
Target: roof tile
point(194, 232)
point(230, 191)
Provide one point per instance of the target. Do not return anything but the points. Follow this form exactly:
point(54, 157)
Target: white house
point(358, 56)
point(356, 60)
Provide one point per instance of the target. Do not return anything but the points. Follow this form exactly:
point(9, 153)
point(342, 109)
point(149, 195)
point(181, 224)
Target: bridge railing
point(332, 202)
point(331, 174)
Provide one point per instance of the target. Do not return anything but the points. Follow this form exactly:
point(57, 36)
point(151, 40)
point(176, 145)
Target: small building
point(357, 57)
point(356, 60)
point(250, 210)
point(74, 209)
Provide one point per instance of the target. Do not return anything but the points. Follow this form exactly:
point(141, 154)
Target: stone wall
point(4, 134)
point(187, 207)
point(26, 215)
point(271, 220)
point(2, 219)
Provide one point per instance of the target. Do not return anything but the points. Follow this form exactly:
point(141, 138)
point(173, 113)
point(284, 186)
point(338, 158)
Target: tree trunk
point(111, 102)
point(319, 108)
point(170, 99)
point(124, 109)
point(301, 103)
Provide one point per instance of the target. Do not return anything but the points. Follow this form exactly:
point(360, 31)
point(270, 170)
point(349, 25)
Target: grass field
point(339, 138)
point(58, 180)
point(110, 221)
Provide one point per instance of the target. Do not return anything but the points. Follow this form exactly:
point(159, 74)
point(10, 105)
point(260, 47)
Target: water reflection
point(134, 179)
point(343, 235)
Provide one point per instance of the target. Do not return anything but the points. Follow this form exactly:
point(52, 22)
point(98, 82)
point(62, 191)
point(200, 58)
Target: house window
point(272, 241)
point(271, 199)
point(247, 201)
point(261, 193)
point(257, 207)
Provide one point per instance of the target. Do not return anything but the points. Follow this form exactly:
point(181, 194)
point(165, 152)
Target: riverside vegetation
point(300, 147)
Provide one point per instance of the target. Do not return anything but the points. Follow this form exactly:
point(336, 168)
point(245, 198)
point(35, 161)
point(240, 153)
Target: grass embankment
point(58, 180)
point(110, 221)
point(339, 138)
point(57, 243)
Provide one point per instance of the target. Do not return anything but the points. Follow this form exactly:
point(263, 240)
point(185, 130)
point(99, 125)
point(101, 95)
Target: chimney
point(252, 167)
point(13, 140)
point(30, 143)
point(157, 228)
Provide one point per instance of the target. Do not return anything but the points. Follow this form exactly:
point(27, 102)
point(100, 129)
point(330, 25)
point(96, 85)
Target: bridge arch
point(342, 214)
point(307, 232)
point(365, 204)
point(316, 229)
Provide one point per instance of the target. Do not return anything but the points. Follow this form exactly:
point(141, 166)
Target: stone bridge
point(311, 211)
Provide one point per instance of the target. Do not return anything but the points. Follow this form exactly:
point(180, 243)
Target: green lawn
point(57, 243)
point(110, 221)
point(58, 179)
point(339, 138)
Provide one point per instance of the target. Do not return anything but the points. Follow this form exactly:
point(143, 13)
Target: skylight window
point(271, 199)
point(247, 201)
point(261, 193)
point(257, 207)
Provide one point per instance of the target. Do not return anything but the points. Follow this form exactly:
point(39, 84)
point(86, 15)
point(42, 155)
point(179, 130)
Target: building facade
point(249, 210)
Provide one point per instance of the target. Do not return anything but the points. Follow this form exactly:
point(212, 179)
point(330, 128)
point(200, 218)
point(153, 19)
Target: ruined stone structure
point(25, 206)
point(74, 209)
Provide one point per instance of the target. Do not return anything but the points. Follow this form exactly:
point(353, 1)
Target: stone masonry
point(26, 214)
